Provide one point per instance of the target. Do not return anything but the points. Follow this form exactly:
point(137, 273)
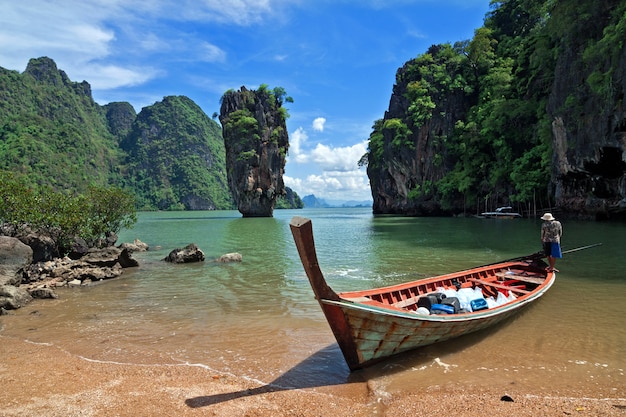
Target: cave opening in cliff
point(610, 166)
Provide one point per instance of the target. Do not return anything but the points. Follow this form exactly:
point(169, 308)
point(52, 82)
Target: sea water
point(258, 319)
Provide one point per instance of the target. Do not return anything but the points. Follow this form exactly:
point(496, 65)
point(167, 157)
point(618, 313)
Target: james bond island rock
point(256, 141)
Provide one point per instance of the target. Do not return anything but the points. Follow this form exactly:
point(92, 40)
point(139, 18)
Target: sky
point(337, 59)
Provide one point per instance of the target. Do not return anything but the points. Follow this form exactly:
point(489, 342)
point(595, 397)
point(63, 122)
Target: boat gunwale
point(467, 316)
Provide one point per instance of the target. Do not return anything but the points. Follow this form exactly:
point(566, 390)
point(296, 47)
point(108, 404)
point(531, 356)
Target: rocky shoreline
point(22, 280)
point(27, 274)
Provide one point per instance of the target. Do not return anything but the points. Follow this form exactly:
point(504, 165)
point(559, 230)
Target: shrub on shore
point(64, 216)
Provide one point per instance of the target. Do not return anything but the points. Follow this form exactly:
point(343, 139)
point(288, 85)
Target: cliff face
point(408, 154)
point(256, 141)
point(588, 114)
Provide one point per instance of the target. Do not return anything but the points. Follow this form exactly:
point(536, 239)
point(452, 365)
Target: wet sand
point(43, 380)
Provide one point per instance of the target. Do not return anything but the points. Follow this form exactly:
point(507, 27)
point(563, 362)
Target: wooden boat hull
point(374, 324)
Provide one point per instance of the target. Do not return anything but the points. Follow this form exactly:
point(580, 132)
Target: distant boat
point(501, 213)
point(372, 325)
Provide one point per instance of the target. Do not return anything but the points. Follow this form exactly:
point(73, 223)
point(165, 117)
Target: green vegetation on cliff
point(52, 131)
point(176, 158)
point(170, 155)
point(471, 124)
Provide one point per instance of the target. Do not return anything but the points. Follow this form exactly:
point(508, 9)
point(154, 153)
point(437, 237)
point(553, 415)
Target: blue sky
point(336, 58)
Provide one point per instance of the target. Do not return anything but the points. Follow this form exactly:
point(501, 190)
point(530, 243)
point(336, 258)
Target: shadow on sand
point(301, 376)
point(327, 368)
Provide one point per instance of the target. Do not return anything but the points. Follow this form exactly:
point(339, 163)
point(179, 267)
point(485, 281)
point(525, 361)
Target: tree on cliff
point(256, 140)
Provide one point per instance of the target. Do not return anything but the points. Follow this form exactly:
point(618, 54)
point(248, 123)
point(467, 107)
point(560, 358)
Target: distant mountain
point(310, 201)
point(351, 203)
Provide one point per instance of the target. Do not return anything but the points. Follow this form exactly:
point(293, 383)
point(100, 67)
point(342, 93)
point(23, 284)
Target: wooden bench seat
point(407, 302)
point(500, 286)
point(523, 278)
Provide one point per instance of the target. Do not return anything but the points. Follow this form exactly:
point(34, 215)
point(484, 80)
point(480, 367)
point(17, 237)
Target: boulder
point(12, 298)
point(86, 272)
point(42, 293)
point(190, 253)
point(14, 256)
point(230, 257)
point(97, 265)
point(108, 257)
point(79, 249)
point(136, 246)
point(44, 248)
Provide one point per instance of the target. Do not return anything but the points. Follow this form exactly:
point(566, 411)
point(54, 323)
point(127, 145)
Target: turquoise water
point(258, 319)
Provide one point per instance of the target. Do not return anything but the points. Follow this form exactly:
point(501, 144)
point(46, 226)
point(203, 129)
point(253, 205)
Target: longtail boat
point(371, 325)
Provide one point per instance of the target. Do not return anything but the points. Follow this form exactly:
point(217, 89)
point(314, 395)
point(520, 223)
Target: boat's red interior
point(521, 278)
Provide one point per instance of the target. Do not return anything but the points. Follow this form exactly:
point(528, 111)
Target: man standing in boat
point(551, 231)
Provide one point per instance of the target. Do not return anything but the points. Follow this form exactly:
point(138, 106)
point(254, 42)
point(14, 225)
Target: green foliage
point(62, 216)
point(171, 156)
point(399, 132)
point(176, 158)
point(244, 156)
point(291, 200)
point(242, 124)
point(422, 105)
point(375, 146)
point(109, 209)
point(420, 191)
point(281, 96)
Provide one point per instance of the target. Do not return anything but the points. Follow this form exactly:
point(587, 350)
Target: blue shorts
point(552, 249)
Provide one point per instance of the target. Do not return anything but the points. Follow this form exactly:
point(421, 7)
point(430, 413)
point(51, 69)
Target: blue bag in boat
point(442, 309)
point(452, 301)
point(478, 304)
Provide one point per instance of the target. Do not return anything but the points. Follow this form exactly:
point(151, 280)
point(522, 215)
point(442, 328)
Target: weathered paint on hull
point(377, 336)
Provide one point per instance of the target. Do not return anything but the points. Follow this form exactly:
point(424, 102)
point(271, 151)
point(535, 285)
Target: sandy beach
point(43, 380)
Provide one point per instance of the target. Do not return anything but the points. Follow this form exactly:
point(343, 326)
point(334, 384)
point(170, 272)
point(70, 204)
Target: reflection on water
point(258, 318)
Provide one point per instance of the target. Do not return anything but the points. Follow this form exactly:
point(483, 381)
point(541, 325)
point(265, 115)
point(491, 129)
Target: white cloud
point(107, 77)
point(296, 139)
point(352, 185)
point(318, 124)
point(340, 158)
point(239, 12)
point(340, 178)
point(211, 53)
point(75, 35)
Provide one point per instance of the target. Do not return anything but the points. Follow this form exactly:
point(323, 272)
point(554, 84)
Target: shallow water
point(258, 319)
